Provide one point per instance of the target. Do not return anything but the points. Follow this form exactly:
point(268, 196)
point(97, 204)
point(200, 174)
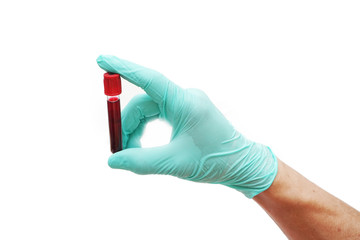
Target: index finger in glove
point(154, 83)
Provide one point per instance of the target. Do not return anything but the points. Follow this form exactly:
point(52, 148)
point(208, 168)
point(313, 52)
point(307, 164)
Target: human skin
point(303, 210)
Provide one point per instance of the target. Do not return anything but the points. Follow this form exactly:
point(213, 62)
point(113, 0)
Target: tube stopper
point(112, 84)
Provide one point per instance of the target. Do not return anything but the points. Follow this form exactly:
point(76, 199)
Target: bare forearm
point(305, 211)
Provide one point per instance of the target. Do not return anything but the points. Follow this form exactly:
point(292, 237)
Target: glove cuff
point(257, 172)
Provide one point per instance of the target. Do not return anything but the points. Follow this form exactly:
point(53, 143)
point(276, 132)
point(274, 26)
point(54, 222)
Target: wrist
point(257, 170)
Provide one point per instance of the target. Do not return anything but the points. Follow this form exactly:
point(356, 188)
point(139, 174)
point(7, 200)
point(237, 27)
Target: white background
point(285, 73)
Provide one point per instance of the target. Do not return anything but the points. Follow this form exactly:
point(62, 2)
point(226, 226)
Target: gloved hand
point(204, 146)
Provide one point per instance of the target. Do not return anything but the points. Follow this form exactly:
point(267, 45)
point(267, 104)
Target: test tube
point(112, 89)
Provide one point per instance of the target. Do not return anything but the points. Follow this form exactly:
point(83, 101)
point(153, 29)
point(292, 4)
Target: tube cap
point(112, 84)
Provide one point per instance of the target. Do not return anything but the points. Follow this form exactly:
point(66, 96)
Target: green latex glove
point(204, 146)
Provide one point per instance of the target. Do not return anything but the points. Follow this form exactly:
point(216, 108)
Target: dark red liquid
point(114, 114)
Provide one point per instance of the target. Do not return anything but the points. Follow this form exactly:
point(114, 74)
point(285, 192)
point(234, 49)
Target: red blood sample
point(114, 114)
point(112, 84)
